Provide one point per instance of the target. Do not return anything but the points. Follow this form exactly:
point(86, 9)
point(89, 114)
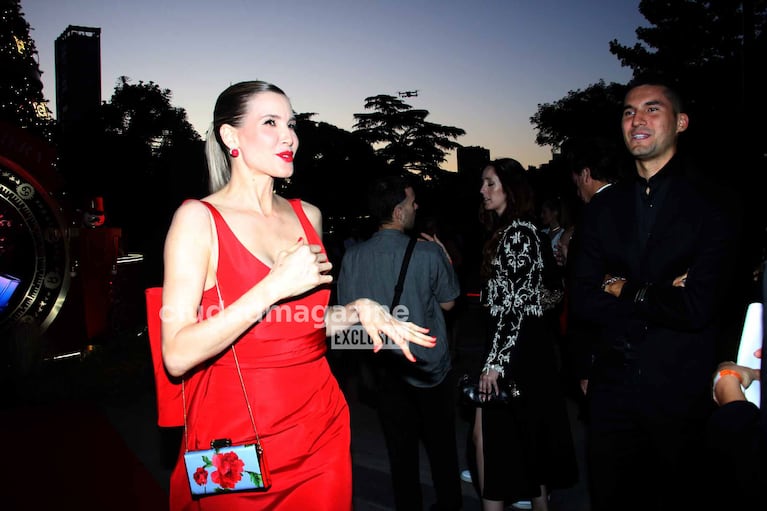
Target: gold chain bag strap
point(226, 468)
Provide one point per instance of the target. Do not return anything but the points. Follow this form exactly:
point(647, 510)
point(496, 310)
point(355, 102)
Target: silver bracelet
point(495, 367)
point(611, 280)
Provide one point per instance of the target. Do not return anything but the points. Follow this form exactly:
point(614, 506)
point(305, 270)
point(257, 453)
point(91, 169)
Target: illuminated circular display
point(34, 255)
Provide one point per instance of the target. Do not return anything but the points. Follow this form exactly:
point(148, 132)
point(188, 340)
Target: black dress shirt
point(650, 194)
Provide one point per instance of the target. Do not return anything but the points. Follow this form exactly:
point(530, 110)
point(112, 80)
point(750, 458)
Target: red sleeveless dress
point(300, 412)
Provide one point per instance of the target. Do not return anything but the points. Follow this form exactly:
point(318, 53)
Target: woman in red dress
point(261, 257)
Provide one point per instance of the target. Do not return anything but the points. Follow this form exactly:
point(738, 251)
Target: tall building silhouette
point(471, 160)
point(78, 75)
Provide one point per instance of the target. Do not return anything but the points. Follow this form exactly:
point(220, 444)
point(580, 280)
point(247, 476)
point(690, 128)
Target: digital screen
point(8, 285)
point(17, 257)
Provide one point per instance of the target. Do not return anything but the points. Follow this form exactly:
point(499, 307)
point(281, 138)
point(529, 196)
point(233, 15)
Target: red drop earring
point(234, 152)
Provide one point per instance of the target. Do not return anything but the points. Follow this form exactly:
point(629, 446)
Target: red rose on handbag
point(201, 476)
point(229, 469)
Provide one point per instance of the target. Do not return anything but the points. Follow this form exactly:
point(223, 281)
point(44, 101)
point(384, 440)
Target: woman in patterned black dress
point(524, 449)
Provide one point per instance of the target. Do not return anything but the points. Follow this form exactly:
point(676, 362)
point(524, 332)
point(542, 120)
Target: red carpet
point(68, 456)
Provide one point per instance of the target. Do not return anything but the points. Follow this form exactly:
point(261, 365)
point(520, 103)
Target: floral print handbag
point(225, 467)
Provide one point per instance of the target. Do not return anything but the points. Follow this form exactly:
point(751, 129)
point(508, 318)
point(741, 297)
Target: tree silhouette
point(594, 110)
point(333, 167)
point(144, 112)
point(155, 161)
point(403, 137)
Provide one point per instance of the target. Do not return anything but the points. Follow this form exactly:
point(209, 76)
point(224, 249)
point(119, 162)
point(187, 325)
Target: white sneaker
point(465, 476)
point(522, 504)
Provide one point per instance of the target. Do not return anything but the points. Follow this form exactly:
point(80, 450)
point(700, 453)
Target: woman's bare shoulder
point(312, 212)
point(190, 219)
point(190, 210)
point(309, 207)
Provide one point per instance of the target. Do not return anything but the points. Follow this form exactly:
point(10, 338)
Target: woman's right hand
point(300, 268)
point(488, 383)
point(376, 319)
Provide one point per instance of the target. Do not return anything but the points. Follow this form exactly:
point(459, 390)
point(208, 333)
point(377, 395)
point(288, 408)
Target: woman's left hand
point(376, 320)
point(680, 281)
point(429, 237)
point(748, 375)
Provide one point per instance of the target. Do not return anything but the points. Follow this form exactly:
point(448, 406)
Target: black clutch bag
point(471, 395)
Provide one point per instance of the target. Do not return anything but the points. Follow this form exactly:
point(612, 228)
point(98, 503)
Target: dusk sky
point(483, 66)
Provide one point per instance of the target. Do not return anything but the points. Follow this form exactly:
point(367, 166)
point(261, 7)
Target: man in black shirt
point(649, 389)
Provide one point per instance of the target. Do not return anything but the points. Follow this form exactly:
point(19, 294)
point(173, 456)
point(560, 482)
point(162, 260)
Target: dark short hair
point(599, 154)
point(669, 89)
point(384, 194)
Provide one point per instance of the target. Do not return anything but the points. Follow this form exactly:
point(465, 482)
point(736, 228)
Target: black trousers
point(640, 462)
point(410, 415)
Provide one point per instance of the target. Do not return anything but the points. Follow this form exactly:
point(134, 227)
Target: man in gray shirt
point(416, 401)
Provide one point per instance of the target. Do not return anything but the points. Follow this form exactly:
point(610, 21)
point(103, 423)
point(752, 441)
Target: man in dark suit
point(649, 390)
point(594, 168)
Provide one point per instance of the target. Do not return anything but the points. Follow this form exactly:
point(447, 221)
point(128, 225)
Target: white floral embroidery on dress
point(514, 290)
